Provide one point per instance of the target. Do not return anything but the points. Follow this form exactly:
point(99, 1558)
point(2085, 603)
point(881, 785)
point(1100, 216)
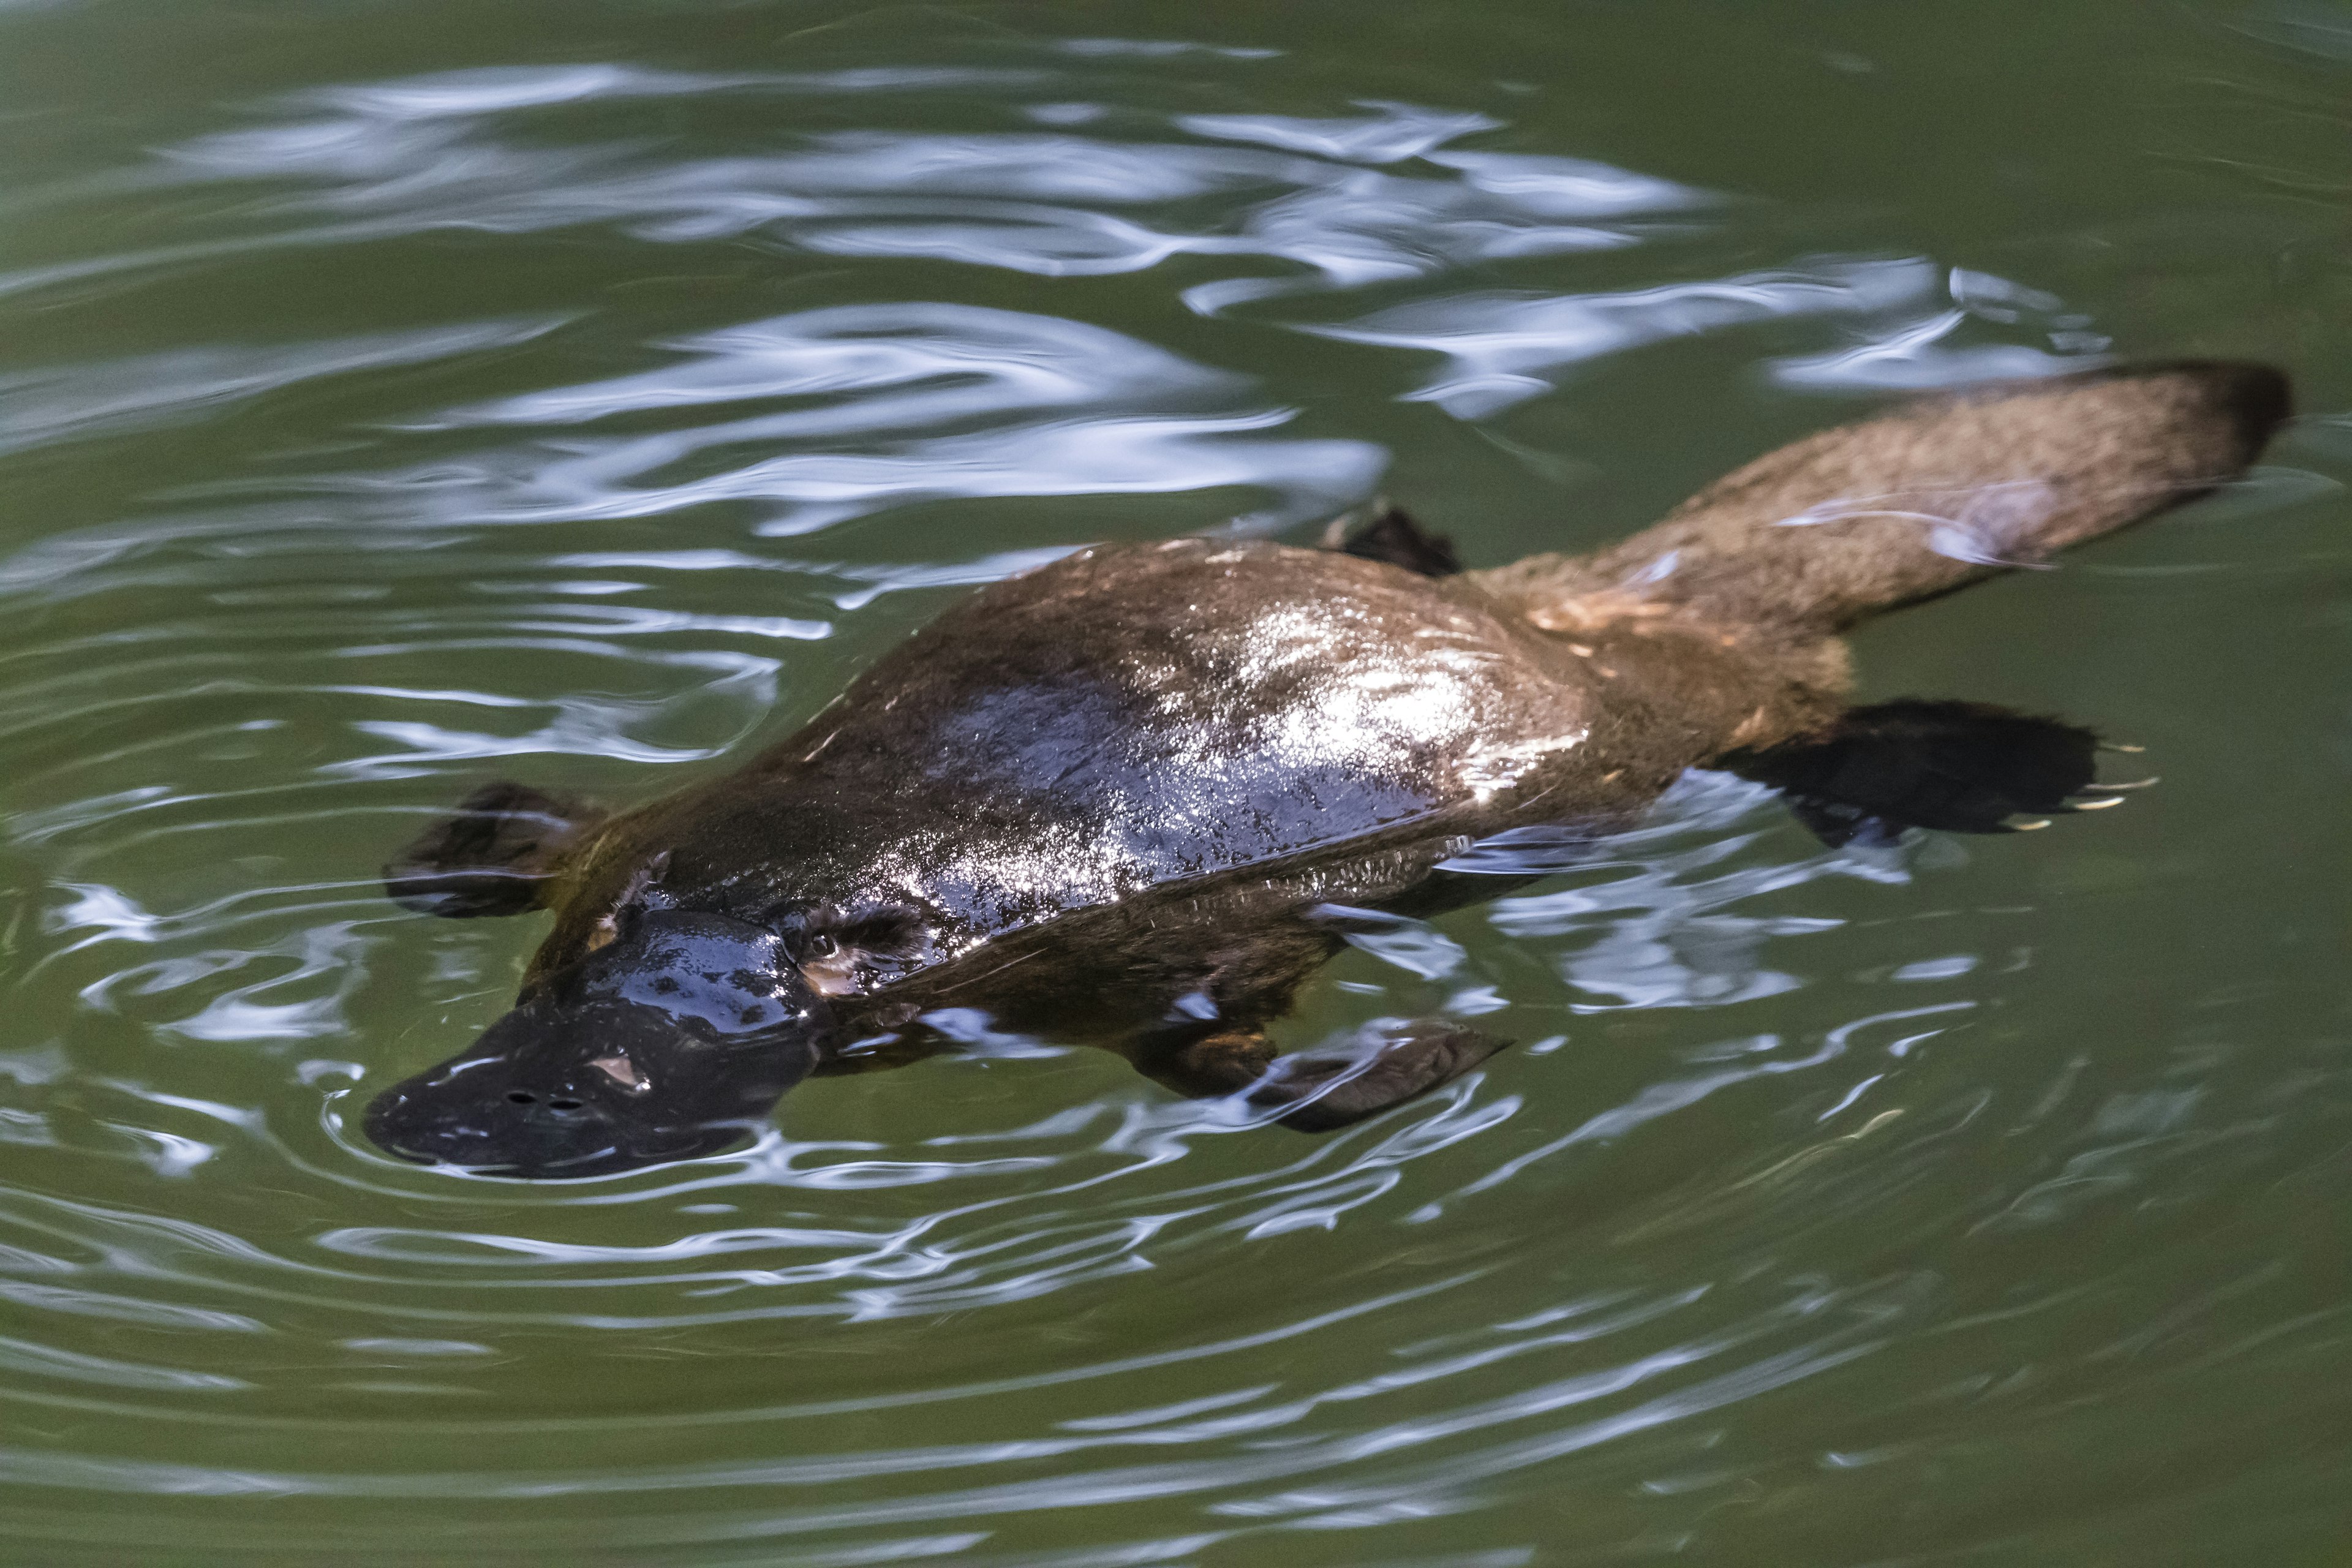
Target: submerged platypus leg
point(1322, 1091)
point(1963, 767)
point(492, 856)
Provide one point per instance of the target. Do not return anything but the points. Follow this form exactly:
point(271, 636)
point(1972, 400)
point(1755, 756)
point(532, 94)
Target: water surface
point(395, 396)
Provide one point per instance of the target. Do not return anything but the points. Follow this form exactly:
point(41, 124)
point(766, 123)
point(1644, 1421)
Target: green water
point(396, 395)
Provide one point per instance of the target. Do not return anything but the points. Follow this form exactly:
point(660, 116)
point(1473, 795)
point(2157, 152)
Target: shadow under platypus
point(1135, 797)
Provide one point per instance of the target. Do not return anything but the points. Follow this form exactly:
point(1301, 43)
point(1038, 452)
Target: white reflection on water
point(1912, 357)
point(1502, 349)
point(399, 157)
point(491, 89)
point(1655, 922)
point(1397, 130)
point(1364, 1419)
point(323, 959)
point(1159, 50)
point(72, 402)
point(883, 401)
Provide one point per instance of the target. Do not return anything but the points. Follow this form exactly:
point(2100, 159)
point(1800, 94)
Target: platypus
point(1136, 796)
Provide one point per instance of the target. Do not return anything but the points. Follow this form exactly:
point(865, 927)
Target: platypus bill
point(1136, 796)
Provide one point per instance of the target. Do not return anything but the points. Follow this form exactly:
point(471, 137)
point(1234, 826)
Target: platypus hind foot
point(1962, 767)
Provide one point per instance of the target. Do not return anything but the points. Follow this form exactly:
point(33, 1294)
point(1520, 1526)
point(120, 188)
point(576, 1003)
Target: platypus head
point(674, 1039)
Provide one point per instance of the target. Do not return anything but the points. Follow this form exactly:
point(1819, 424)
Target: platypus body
point(1136, 796)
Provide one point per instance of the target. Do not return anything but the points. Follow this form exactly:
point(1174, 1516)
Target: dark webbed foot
point(491, 855)
point(1963, 767)
point(1391, 535)
point(1324, 1091)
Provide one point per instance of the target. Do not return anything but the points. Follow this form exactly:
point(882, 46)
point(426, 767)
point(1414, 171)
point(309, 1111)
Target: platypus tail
point(1838, 526)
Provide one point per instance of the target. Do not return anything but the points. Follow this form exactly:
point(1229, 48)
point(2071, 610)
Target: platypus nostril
point(564, 1103)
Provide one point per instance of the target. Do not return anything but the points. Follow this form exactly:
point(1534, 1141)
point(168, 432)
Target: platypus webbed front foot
point(1323, 1091)
point(492, 855)
point(1962, 767)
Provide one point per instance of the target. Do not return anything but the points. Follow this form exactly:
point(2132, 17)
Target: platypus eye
point(729, 976)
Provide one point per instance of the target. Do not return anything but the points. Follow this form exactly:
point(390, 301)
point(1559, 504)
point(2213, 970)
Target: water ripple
point(392, 428)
